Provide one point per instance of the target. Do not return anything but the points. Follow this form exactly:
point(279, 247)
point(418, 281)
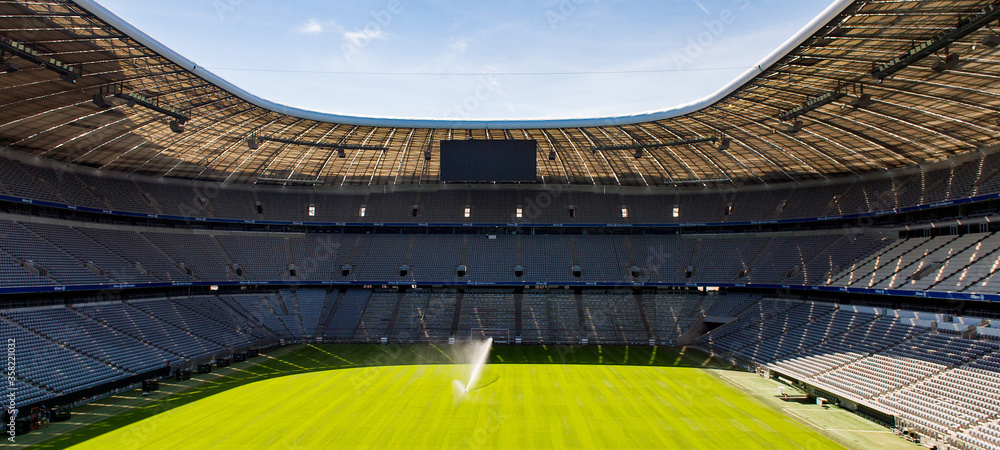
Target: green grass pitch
point(528, 397)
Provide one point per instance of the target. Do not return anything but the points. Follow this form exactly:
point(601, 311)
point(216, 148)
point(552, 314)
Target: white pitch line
point(804, 419)
point(859, 431)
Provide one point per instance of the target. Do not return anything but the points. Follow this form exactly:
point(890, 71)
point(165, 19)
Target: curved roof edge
point(811, 28)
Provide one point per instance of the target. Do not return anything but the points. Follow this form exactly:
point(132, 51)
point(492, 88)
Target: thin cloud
point(604, 58)
point(313, 26)
point(458, 46)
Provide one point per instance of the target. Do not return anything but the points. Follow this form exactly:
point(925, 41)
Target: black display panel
point(483, 160)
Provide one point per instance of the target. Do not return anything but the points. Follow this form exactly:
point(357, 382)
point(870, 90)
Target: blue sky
point(511, 59)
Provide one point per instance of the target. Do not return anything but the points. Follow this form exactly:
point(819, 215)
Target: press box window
point(312, 210)
point(624, 212)
point(361, 212)
point(677, 211)
point(468, 212)
point(520, 212)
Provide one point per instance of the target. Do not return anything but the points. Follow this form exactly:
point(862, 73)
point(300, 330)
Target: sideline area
point(840, 425)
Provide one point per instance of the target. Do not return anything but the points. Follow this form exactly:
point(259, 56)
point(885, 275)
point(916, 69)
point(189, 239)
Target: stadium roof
point(867, 86)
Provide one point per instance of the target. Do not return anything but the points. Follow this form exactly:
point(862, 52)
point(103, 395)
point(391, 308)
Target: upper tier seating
point(894, 190)
point(65, 252)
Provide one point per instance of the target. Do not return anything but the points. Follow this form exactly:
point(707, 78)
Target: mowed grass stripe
point(517, 405)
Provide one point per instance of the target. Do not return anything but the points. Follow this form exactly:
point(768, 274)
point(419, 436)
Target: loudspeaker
point(949, 62)
point(101, 101)
point(176, 126)
point(991, 40)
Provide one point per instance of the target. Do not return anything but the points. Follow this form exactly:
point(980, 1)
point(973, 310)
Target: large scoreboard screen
point(484, 160)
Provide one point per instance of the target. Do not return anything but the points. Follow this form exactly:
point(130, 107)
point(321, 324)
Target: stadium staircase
point(637, 298)
point(400, 297)
point(456, 318)
point(869, 259)
point(222, 251)
point(943, 277)
point(345, 317)
point(580, 310)
point(241, 321)
point(981, 279)
point(68, 346)
point(242, 313)
point(326, 315)
point(125, 332)
point(518, 313)
point(904, 269)
point(905, 247)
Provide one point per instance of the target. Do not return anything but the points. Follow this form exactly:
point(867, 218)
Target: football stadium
point(804, 258)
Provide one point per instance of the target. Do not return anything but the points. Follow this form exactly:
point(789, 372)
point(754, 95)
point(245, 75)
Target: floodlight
point(862, 101)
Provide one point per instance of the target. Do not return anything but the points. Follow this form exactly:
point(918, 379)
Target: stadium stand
point(896, 362)
point(75, 347)
point(855, 257)
point(927, 184)
point(85, 253)
point(949, 263)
